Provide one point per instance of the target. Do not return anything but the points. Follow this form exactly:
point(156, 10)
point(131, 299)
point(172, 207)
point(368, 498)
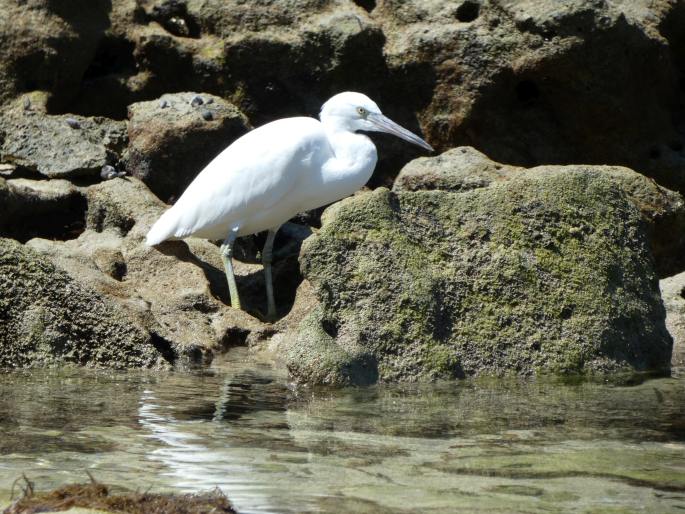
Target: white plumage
point(276, 171)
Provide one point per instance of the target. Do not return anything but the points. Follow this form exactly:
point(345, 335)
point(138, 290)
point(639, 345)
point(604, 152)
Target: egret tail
point(163, 229)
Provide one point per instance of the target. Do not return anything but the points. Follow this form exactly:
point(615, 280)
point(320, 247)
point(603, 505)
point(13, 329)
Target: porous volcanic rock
point(550, 272)
point(464, 168)
point(46, 45)
point(49, 318)
point(172, 138)
point(46, 208)
point(175, 291)
point(532, 82)
point(673, 293)
point(60, 146)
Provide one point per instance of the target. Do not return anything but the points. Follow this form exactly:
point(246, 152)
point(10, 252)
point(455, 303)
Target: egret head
point(357, 112)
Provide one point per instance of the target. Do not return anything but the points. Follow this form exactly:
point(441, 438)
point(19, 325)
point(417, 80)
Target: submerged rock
point(169, 146)
point(49, 318)
point(550, 272)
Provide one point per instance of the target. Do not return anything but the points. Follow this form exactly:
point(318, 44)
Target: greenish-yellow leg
point(226, 256)
point(267, 257)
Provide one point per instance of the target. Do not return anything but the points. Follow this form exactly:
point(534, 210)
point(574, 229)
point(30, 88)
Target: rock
point(48, 318)
point(60, 146)
point(673, 293)
point(547, 273)
point(40, 208)
point(459, 169)
point(47, 45)
point(532, 82)
point(465, 168)
point(169, 147)
point(176, 292)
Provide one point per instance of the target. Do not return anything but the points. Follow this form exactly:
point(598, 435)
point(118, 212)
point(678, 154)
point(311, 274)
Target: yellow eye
point(361, 111)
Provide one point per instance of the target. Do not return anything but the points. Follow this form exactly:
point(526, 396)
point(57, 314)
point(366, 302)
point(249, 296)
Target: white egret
point(276, 171)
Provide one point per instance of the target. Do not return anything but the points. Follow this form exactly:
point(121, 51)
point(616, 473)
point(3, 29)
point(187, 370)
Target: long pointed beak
point(384, 124)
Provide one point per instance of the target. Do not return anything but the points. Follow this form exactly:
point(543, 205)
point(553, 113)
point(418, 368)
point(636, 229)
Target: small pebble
point(163, 104)
point(109, 172)
point(73, 123)
point(27, 104)
point(207, 115)
point(196, 100)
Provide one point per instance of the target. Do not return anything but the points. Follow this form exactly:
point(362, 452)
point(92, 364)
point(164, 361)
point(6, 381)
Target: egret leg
point(226, 256)
point(267, 257)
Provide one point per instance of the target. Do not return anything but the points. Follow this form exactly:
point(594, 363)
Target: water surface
point(495, 446)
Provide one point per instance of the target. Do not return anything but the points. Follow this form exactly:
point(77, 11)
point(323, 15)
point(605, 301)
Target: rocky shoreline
point(532, 242)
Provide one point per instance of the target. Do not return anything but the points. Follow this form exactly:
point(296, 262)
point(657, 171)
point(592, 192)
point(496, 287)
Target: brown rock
point(170, 141)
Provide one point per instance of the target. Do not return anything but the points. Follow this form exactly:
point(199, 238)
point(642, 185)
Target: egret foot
point(267, 257)
point(226, 256)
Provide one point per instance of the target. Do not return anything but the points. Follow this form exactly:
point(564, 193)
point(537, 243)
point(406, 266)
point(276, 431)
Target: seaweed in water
point(96, 495)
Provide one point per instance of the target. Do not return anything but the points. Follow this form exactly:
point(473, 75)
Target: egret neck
point(354, 161)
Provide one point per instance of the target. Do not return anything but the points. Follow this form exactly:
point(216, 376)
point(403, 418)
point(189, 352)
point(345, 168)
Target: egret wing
point(258, 172)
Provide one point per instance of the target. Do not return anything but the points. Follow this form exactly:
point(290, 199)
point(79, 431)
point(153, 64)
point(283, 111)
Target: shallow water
point(496, 446)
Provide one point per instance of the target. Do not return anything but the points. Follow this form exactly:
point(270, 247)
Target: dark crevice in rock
point(468, 11)
point(60, 222)
point(331, 327)
point(527, 91)
point(234, 336)
point(174, 17)
point(119, 271)
point(104, 89)
point(113, 56)
point(367, 5)
point(164, 347)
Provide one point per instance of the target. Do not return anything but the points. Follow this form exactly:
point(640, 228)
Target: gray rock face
point(60, 146)
point(550, 272)
point(172, 139)
point(49, 318)
point(465, 168)
point(673, 293)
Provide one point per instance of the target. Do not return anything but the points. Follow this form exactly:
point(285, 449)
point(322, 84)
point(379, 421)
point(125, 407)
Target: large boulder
point(550, 272)
point(464, 168)
point(49, 318)
point(173, 138)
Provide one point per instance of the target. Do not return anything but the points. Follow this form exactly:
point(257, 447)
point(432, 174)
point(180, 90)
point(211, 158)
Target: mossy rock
point(46, 318)
point(546, 273)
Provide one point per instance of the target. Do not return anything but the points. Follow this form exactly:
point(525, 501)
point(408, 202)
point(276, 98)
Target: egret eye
point(361, 111)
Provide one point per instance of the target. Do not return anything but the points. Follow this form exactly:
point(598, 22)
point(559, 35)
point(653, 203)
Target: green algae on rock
point(48, 318)
point(547, 273)
point(464, 168)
